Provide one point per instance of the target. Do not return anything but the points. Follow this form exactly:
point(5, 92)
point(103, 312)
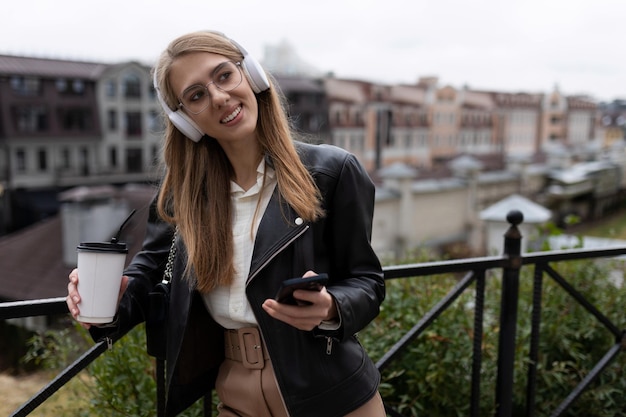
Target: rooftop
point(32, 259)
point(50, 68)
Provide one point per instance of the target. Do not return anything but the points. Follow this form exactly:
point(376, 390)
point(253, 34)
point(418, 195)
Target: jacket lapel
point(279, 226)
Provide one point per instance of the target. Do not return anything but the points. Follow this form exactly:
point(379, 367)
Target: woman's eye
point(224, 76)
point(197, 94)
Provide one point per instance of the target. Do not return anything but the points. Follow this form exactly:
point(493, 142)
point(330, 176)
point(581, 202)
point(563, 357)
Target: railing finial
point(515, 217)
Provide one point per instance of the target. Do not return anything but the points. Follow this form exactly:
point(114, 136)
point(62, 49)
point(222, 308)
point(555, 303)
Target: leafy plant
point(432, 377)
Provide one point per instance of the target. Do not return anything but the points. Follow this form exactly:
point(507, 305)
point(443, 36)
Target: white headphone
point(251, 68)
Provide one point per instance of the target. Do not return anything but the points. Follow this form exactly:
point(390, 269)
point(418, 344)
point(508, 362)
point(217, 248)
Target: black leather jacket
point(320, 373)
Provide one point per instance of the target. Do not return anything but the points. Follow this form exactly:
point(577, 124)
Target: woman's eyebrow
point(218, 67)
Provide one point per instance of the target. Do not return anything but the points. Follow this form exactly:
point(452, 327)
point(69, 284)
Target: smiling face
point(231, 116)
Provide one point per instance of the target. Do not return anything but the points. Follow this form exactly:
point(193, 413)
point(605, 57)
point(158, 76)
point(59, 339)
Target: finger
point(298, 317)
point(123, 287)
point(72, 286)
point(311, 297)
point(74, 276)
point(72, 308)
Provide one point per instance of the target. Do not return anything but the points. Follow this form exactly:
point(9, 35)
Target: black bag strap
point(167, 274)
point(160, 362)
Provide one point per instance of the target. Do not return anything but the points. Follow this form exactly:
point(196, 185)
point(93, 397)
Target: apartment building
point(611, 123)
point(307, 107)
point(67, 123)
point(518, 117)
point(567, 121)
point(426, 125)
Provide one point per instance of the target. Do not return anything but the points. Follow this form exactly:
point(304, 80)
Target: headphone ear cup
point(255, 74)
point(253, 70)
point(185, 125)
point(180, 120)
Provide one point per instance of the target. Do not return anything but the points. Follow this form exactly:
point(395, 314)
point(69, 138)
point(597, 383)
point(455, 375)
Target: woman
point(253, 208)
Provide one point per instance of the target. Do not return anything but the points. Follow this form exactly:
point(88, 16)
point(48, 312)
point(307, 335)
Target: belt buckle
point(250, 337)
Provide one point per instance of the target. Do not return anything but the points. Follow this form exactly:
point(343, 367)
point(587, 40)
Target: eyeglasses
point(226, 77)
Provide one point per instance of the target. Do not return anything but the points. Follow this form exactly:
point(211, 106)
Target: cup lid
point(119, 247)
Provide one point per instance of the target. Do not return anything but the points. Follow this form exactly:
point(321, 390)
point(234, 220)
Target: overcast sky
point(507, 45)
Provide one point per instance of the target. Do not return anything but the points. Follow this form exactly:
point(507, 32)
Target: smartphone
point(287, 287)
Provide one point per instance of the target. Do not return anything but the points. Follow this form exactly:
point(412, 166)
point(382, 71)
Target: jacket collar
point(279, 226)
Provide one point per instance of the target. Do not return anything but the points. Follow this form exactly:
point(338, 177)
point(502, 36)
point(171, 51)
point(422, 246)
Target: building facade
point(67, 123)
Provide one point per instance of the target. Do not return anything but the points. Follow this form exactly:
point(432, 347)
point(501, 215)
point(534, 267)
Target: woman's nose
point(218, 97)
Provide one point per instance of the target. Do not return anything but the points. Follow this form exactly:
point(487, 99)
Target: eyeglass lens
point(197, 98)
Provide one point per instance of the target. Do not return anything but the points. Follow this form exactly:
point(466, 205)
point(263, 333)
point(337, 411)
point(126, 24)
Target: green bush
point(120, 383)
point(125, 380)
point(432, 377)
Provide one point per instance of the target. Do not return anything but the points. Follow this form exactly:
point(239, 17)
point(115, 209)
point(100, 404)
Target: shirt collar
point(260, 171)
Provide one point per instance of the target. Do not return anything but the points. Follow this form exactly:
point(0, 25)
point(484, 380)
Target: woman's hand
point(73, 298)
point(304, 317)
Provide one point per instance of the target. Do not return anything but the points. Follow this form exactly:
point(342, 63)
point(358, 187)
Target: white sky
point(507, 45)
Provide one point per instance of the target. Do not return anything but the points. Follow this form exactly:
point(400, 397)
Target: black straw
point(119, 232)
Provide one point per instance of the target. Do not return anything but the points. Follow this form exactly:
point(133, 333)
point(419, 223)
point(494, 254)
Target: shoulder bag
point(158, 309)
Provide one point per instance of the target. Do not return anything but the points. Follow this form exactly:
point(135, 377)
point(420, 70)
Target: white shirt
point(228, 305)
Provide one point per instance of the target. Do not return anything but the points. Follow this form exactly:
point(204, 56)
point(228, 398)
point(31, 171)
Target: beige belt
point(245, 345)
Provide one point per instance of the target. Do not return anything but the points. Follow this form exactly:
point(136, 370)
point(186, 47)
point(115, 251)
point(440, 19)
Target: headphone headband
point(254, 74)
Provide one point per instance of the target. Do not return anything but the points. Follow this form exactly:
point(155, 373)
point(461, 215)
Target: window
point(30, 119)
point(408, 141)
point(65, 158)
point(113, 157)
point(359, 117)
point(110, 88)
point(78, 87)
point(132, 86)
point(84, 161)
point(112, 120)
point(134, 160)
point(20, 160)
point(133, 124)
point(25, 86)
point(155, 121)
point(61, 85)
point(42, 160)
point(337, 117)
point(75, 119)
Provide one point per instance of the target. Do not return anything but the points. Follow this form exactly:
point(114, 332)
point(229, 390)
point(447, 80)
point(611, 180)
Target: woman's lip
point(232, 115)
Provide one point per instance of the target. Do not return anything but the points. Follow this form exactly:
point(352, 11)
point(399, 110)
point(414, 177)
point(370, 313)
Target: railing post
point(508, 315)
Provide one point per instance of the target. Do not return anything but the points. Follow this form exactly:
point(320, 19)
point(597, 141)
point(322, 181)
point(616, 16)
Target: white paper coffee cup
point(100, 268)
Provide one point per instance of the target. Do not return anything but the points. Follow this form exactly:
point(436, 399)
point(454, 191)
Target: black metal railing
point(475, 269)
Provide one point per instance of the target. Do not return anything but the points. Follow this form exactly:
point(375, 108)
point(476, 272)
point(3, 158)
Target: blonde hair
point(195, 192)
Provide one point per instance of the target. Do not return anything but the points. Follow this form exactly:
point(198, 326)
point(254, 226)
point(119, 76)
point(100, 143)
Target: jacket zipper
point(256, 272)
point(329, 345)
point(329, 339)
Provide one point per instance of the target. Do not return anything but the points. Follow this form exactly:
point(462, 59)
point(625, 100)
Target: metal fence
point(475, 269)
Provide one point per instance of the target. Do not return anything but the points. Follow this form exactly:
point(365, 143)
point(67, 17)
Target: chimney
point(89, 214)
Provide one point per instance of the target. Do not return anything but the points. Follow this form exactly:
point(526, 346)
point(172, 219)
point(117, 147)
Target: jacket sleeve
point(358, 284)
point(144, 271)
